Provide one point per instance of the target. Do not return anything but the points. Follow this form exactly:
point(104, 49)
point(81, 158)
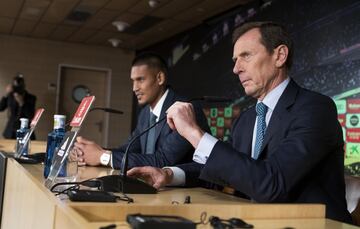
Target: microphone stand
point(123, 183)
point(129, 184)
point(137, 186)
point(124, 161)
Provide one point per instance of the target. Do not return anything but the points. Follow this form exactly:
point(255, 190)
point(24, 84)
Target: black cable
point(65, 191)
point(203, 221)
point(110, 226)
point(92, 183)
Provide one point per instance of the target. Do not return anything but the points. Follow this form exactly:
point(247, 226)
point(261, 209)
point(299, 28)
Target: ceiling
point(50, 19)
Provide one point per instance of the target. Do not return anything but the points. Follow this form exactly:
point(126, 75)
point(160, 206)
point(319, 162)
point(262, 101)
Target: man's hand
point(154, 176)
point(88, 151)
point(181, 117)
point(8, 89)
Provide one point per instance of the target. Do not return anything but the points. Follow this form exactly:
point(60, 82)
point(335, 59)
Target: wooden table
point(35, 146)
point(28, 204)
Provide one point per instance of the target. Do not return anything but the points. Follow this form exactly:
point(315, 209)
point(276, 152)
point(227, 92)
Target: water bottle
point(20, 134)
point(53, 141)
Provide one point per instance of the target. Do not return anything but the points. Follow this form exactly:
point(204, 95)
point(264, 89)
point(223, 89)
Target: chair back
point(353, 197)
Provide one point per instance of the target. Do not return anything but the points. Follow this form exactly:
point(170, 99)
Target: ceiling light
point(120, 25)
point(115, 42)
point(153, 3)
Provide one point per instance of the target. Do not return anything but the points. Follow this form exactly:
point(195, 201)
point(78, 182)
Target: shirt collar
point(273, 97)
point(157, 109)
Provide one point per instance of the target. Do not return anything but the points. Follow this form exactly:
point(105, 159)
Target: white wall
point(39, 60)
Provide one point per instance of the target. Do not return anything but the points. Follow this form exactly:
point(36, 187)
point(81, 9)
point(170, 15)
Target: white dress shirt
point(158, 107)
point(207, 142)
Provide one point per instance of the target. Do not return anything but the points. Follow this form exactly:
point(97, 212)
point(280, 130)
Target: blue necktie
point(261, 110)
point(150, 141)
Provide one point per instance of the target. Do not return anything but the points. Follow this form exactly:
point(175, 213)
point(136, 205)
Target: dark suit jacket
point(301, 161)
point(16, 112)
point(170, 147)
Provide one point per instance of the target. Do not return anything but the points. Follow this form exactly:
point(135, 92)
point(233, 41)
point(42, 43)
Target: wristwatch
point(105, 158)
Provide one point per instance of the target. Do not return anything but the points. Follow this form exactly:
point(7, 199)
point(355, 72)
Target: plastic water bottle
point(54, 139)
point(20, 134)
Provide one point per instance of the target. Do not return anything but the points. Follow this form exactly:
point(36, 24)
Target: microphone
point(109, 110)
point(125, 184)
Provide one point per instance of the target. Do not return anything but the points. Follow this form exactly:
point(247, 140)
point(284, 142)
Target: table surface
point(169, 201)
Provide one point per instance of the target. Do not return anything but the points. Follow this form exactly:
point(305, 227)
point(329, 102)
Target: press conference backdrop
point(327, 60)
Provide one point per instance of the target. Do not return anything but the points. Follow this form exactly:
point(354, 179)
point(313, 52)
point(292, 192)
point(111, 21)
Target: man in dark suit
point(19, 103)
point(288, 148)
point(160, 146)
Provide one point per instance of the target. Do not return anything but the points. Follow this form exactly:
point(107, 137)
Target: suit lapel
point(169, 100)
point(145, 124)
point(286, 100)
point(249, 125)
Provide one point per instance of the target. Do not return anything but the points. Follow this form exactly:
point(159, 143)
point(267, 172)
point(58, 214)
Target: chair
point(353, 197)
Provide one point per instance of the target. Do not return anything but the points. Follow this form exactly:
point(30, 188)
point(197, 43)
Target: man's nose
point(237, 67)
point(135, 86)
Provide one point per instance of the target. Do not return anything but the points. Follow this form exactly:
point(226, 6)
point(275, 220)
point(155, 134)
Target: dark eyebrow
point(244, 53)
point(137, 78)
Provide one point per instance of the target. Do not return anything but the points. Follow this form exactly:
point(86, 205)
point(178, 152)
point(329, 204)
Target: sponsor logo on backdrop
point(353, 120)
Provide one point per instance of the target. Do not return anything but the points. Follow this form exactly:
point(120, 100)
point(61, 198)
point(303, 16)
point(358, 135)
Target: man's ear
point(281, 54)
point(161, 78)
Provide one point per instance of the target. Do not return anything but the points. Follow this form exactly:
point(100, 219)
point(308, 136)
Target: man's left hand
point(88, 151)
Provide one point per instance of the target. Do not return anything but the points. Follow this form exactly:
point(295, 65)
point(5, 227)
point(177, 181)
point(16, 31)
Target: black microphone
point(133, 185)
point(106, 109)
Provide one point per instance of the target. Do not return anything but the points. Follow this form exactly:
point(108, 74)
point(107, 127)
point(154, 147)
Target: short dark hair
point(152, 60)
point(272, 35)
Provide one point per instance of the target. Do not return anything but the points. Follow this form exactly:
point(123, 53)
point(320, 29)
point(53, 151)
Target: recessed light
point(115, 42)
point(120, 25)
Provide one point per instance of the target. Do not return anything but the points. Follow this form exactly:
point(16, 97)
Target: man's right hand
point(155, 177)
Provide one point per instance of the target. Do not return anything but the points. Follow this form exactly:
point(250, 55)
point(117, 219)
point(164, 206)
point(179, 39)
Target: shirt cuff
point(178, 176)
point(111, 160)
point(204, 148)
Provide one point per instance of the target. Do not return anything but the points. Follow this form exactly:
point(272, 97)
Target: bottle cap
point(24, 123)
point(59, 121)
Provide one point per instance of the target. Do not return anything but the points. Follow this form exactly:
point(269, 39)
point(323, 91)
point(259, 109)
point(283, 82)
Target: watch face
point(79, 92)
point(105, 159)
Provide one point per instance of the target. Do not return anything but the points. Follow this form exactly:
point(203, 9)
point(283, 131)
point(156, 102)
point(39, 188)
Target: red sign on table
point(82, 111)
point(37, 116)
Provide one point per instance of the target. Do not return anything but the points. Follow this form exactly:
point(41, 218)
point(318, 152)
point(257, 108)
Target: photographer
point(19, 103)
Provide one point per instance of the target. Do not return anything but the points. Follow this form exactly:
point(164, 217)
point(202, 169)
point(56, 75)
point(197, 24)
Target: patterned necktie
point(261, 110)
point(150, 141)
